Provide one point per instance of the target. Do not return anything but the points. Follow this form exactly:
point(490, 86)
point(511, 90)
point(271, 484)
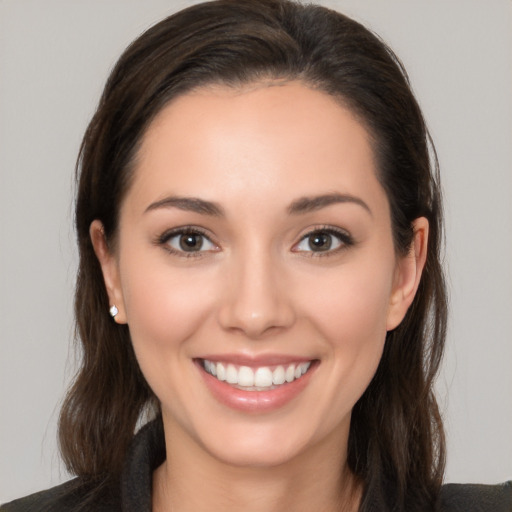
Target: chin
point(257, 454)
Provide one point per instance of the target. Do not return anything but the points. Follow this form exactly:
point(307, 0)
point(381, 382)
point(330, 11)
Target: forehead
point(258, 141)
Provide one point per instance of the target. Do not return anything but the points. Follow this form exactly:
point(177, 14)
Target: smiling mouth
point(262, 378)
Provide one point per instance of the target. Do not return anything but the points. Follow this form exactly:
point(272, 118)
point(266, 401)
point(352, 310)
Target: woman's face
point(255, 244)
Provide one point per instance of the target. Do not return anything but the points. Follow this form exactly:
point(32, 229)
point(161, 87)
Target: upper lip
point(256, 360)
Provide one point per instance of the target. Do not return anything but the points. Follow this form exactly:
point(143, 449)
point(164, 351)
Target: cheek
point(355, 301)
point(164, 306)
point(350, 311)
point(354, 321)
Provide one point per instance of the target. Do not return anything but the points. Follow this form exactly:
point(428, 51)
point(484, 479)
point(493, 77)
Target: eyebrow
point(189, 204)
point(299, 206)
point(311, 204)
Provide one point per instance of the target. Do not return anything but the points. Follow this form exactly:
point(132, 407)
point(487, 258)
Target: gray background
point(54, 59)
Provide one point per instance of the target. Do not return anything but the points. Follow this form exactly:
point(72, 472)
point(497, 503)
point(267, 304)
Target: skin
point(258, 288)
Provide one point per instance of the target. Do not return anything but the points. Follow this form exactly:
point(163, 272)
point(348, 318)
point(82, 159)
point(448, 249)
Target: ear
point(408, 274)
point(110, 269)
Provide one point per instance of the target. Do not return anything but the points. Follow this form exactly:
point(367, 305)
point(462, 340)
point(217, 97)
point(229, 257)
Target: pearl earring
point(114, 311)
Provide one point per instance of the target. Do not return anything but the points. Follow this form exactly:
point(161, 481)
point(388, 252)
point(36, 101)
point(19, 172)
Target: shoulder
point(72, 496)
point(476, 498)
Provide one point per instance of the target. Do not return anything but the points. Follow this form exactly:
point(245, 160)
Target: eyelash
point(345, 240)
point(164, 238)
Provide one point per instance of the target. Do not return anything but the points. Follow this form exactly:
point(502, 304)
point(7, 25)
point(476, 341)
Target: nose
point(256, 300)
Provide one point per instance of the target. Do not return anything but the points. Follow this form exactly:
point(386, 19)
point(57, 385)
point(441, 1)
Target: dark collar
point(146, 454)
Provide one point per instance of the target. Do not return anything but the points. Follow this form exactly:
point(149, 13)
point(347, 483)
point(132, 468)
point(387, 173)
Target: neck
point(318, 480)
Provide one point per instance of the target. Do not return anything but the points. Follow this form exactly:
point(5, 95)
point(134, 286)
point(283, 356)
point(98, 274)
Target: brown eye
point(191, 242)
point(323, 241)
point(186, 241)
point(319, 241)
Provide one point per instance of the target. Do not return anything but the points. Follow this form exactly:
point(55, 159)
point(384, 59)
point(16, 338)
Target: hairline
point(267, 79)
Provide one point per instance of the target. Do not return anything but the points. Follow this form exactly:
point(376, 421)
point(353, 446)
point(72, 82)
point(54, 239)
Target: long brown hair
point(396, 442)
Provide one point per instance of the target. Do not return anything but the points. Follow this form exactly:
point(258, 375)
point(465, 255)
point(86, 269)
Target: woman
point(259, 212)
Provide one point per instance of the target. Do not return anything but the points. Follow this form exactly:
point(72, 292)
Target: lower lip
point(256, 401)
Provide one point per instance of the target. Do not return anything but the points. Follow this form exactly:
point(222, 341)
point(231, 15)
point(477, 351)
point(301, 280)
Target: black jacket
point(133, 492)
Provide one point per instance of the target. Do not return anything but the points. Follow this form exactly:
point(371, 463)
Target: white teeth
point(231, 375)
point(255, 379)
point(263, 377)
point(221, 371)
point(278, 376)
point(304, 367)
point(246, 377)
point(290, 373)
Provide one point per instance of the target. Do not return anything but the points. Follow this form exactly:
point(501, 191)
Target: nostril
point(255, 322)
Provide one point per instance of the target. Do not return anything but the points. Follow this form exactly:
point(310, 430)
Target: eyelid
point(163, 240)
point(344, 237)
